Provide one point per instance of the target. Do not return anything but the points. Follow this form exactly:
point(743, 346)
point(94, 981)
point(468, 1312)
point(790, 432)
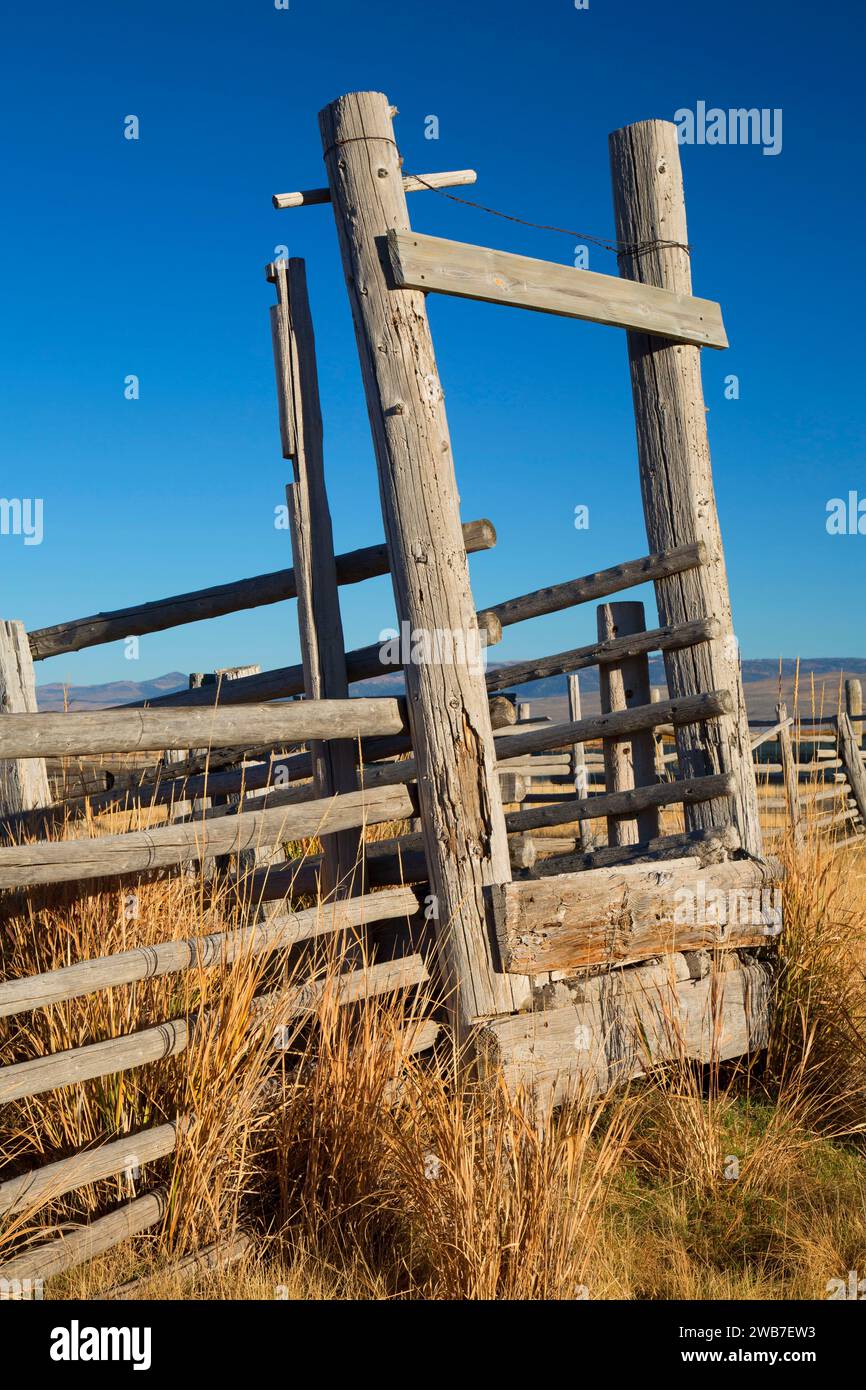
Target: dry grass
point(364, 1172)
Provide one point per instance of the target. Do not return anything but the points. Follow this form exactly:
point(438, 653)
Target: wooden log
point(352, 568)
point(128, 731)
point(624, 1022)
point(23, 781)
point(580, 779)
point(854, 706)
point(461, 808)
point(675, 469)
point(789, 773)
point(86, 1242)
point(412, 183)
point(589, 587)
point(169, 1039)
point(849, 748)
point(512, 787)
point(623, 684)
point(622, 803)
point(770, 733)
point(217, 1255)
point(629, 912)
point(707, 846)
point(46, 1184)
point(522, 852)
point(319, 621)
point(141, 850)
point(362, 664)
point(501, 277)
point(201, 953)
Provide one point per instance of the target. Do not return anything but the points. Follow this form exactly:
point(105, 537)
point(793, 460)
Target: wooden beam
point(706, 846)
point(23, 781)
point(202, 953)
point(625, 1022)
point(141, 850)
point(849, 747)
point(624, 684)
point(674, 463)
point(624, 803)
point(629, 912)
point(789, 772)
point(352, 568)
point(579, 777)
point(46, 1184)
point(133, 731)
point(320, 624)
point(86, 1242)
point(412, 183)
point(500, 277)
point(461, 808)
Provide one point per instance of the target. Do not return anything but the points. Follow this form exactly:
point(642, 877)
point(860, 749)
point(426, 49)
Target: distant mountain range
point(760, 678)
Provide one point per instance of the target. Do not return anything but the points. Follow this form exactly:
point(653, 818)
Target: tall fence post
point(580, 780)
point(627, 762)
point(23, 781)
point(790, 774)
point(320, 625)
point(675, 470)
point(854, 707)
point(458, 788)
point(852, 762)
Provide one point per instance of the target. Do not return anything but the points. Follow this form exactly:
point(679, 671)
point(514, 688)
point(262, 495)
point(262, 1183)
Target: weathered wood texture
point(555, 597)
point(579, 778)
point(624, 684)
point(625, 803)
point(624, 1022)
point(23, 781)
point(461, 808)
point(141, 850)
point(789, 772)
point(217, 1255)
point(674, 461)
point(41, 1185)
point(849, 747)
point(86, 1242)
point(133, 731)
point(500, 277)
point(854, 706)
point(707, 846)
point(626, 913)
point(203, 952)
point(175, 1036)
point(352, 567)
point(319, 622)
point(412, 183)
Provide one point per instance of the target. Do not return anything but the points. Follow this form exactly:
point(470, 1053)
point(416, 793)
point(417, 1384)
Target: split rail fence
point(513, 942)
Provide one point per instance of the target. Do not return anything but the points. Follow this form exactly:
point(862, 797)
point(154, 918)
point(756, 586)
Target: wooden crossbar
point(421, 262)
point(412, 183)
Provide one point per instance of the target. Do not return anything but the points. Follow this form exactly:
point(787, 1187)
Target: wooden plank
point(141, 850)
point(501, 277)
point(849, 747)
point(555, 597)
point(169, 1039)
point(23, 781)
point(789, 772)
point(353, 567)
point(580, 779)
point(53, 1180)
point(675, 469)
point(770, 733)
point(624, 803)
point(202, 953)
point(412, 183)
point(624, 684)
point(86, 1242)
point(135, 731)
point(461, 808)
point(707, 847)
point(627, 913)
point(216, 1255)
point(319, 622)
point(624, 1022)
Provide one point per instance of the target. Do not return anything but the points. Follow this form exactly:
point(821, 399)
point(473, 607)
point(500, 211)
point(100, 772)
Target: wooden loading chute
point(515, 933)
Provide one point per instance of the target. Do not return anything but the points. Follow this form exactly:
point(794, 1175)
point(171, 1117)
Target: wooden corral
point(570, 970)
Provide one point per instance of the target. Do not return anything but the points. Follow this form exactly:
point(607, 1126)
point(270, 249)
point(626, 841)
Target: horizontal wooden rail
point(141, 850)
point(421, 262)
point(219, 1254)
point(169, 1039)
point(623, 804)
point(75, 1247)
point(627, 913)
point(41, 1185)
point(135, 731)
point(599, 585)
point(218, 948)
point(615, 649)
point(412, 183)
point(200, 604)
point(362, 664)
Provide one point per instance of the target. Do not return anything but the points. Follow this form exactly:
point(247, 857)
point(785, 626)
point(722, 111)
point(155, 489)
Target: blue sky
point(147, 257)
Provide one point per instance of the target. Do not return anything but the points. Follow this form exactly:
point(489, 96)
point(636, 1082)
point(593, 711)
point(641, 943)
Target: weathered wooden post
point(458, 788)
point(627, 762)
point(854, 706)
point(580, 781)
point(789, 773)
point(320, 624)
point(852, 763)
point(675, 470)
point(23, 781)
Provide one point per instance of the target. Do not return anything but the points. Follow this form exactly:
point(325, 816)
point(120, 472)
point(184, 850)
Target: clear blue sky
point(147, 257)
